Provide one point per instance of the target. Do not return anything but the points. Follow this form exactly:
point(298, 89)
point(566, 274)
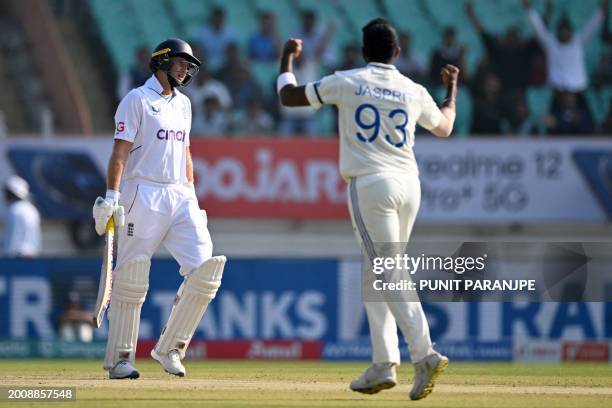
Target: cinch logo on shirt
point(178, 135)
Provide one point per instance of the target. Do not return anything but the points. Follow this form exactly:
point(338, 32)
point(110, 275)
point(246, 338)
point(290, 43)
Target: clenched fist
point(293, 46)
point(450, 75)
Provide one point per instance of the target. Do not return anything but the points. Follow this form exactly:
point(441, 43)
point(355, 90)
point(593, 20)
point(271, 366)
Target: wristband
point(286, 78)
point(113, 196)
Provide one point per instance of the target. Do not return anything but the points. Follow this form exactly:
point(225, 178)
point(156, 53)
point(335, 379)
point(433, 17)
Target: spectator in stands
point(22, 220)
point(351, 58)
point(242, 86)
point(509, 55)
point(75, 324)
point(518, 121)
point(316, 39)
point(205, 85)
point(538, 71)
point(254, 120)
point(565, 50)
point(449, 52)
point(214, 38)
point(264, 45)
point(408, 62)
point(233, 57)
point(211, 120)
point(488, 108)
point(237, 77)
point(137, 74)
point(569, 118)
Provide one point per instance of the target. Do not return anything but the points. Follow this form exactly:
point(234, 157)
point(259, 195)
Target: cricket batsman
point(378, 110)
point(151, 154)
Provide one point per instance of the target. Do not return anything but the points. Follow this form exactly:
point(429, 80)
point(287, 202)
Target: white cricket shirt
point(378, 110)
point(22, 230)
point(159, 129)
point(566, 62)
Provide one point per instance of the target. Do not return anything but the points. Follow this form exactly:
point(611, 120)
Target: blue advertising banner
point(306, 300)
point(277, 299)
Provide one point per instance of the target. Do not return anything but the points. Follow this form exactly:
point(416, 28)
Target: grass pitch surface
point(312, 384)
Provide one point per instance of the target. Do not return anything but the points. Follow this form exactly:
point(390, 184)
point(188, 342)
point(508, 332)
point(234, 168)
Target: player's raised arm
point(450, 76)
point(289, 92)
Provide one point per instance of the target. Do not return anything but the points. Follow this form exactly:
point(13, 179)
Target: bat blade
point(106, 275)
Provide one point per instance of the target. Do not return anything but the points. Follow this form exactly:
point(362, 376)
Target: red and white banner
point(586, 351)
point(476, 180)
point(537, 351)
point(244, 349)
point(269, 178)
point(463, 181)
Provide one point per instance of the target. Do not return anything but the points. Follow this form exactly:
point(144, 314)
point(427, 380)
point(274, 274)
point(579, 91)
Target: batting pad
point(193, 298)
point(128, 294)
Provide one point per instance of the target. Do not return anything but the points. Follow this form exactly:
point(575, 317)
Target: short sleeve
point(128, 116)
point(328, 90)
point(430, 113)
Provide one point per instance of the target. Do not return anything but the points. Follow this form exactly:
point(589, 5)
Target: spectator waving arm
point(544, 36)
point(593, 24)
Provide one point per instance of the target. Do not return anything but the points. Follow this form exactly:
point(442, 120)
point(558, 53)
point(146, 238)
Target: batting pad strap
point(284, 79)
point(198, 290)
point(130, 293)
point(132, 281)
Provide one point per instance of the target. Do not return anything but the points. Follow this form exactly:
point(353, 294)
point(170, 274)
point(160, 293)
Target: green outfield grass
point(313, 384)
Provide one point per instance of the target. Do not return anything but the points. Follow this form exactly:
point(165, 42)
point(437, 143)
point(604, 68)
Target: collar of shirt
point(154, 84)
point(381, 65)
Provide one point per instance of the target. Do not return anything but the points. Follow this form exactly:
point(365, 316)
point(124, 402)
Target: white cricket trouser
point(165, 214)
point(383, 208)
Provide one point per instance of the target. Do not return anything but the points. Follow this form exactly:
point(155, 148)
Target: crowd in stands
point(227, 99)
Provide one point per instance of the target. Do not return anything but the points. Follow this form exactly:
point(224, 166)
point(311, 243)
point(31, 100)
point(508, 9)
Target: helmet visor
point(182, 70)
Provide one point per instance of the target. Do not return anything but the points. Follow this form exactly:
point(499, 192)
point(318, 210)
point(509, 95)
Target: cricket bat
point(106, 275)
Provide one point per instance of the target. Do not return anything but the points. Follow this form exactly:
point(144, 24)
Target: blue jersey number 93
point(398, 116)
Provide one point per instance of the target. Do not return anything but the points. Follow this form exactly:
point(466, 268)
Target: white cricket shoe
point(376, 378)
point(171, 362)
point(426, 372)
point(123, 369)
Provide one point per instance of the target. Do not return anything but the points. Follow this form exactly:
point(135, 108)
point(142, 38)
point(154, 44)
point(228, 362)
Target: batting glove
point(104, 208)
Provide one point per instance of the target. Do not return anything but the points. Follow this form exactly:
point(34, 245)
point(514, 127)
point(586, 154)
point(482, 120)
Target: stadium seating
point(538, 102)
point(265, 73)
point(154, 21)
point(598, 101)
point(346, 30)
point(287, 18)
point(124, 25)
point(121, 37)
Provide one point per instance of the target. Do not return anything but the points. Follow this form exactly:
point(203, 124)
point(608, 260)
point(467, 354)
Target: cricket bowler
point(378, 109)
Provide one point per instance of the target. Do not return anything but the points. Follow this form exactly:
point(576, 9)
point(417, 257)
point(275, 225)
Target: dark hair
point(379, 40)
point(564, 22)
